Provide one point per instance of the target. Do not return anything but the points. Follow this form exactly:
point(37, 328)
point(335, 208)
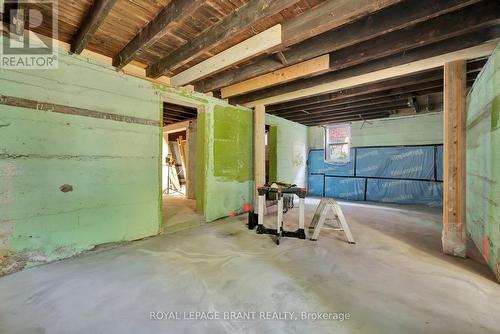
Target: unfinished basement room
point(249, 166)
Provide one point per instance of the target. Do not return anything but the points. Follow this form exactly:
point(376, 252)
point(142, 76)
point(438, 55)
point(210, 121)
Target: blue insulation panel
point(439, 163)
point(345, 188)
point(405, 192)
point(317, 164)
point(315, 185)
point(396, 162)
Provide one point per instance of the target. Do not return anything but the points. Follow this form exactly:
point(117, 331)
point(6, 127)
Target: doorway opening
point(179, 167)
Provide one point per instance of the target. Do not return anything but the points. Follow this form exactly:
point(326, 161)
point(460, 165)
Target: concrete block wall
point(483, 162)
point(70, 182)
point(61, 174)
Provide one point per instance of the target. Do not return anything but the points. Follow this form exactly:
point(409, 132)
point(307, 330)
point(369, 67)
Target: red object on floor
point(247, 207)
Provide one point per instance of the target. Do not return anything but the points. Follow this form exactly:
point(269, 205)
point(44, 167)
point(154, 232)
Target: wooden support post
point(454, 236)
point(259, 147)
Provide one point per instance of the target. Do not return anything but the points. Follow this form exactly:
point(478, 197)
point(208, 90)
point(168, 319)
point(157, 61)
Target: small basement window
point(338, 143)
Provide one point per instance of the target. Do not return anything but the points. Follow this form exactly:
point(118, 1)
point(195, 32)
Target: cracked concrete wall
point(70, 182)
point(483, 162)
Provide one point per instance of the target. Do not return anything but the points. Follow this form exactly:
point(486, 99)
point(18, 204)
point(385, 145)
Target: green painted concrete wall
point(483, 162)
point(408, 130)
point(113, 167)
point(224, 151)
point(291, 150)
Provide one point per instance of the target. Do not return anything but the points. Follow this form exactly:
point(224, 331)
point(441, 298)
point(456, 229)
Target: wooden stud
point(454, 236)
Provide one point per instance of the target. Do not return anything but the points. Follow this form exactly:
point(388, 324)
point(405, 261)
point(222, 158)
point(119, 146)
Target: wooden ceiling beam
point(468, 46)
point(238, 53)
point(237, 22)
point(171, 15)
point(427, 33)
point(387, 20)
point(389, 88)
point(317, 20)
point(310, 67)
point(347, 120)
point(95, 16)
point(402, 104)
point(404, 84)
point(414, 81)
point(436, 30)
point(372, 103)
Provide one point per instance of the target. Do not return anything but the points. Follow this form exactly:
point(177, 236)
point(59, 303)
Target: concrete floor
point(394, 280)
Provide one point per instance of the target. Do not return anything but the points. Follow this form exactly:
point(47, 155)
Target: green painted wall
point(224, 153)
point(408, 130)
point(113, 167)
point(291, 150)
point(230, 184)
point(483, 162)
point(232, 139)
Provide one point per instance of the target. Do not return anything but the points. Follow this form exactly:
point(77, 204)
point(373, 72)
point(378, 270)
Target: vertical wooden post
point(259, 147)
point(454, 236)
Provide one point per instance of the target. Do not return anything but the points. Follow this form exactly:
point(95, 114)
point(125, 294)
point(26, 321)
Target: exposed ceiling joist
point(363, 106)
point(323, 17)
point(242, 19)
point(95, 16)
point(327, 113)
point(317, 65)
point(401, 86)
point(390, 19)
point(172, 14)
point(420, 59)
point(327, 16)
point(249, 48)
point(349, 118)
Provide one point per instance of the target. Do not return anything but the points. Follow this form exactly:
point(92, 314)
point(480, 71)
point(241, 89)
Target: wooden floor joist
point(249, 48)
point(422, 81)
point(248, 15)
point(393, 18)
point(171, 15)
point(90, 24)
point(371, 73)
point(314, 66)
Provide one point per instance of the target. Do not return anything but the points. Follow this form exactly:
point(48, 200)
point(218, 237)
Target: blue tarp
point(315, 185)
point(396, 162)
point(345, 188)
point(439, 163)
point(317, 164)
point(405, 192)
